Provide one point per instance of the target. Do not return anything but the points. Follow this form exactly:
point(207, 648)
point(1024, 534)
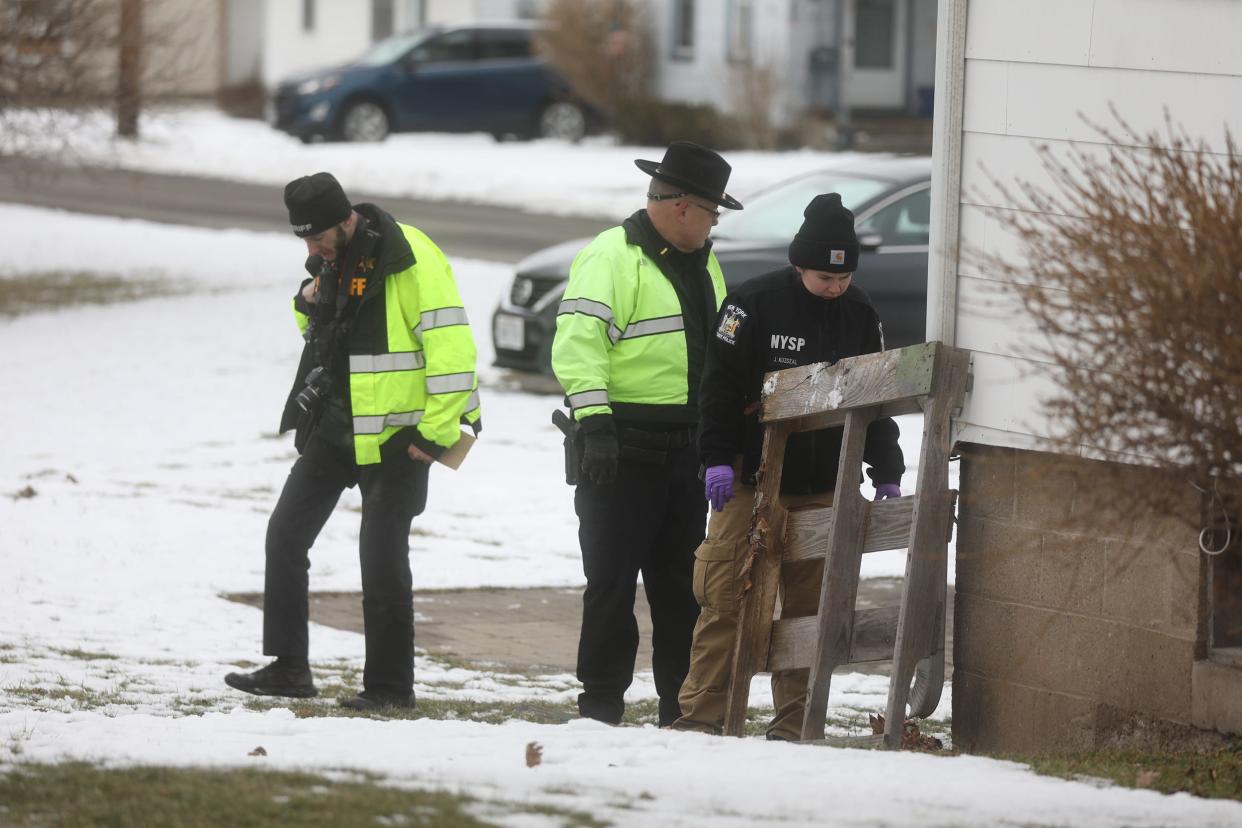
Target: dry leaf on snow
point(534, 754)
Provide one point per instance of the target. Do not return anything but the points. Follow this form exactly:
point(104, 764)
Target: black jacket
point(770, 323)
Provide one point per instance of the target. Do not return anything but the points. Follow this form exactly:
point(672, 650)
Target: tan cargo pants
point(717, 567)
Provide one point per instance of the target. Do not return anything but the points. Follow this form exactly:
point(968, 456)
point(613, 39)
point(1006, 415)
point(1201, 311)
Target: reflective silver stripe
point(448, 383)
point(472, 403)
point(598, 310)
point(440, 318)
point(665, 324)
point(377, 423)
point(586, 306)
point(376, 363)
point(584, 398)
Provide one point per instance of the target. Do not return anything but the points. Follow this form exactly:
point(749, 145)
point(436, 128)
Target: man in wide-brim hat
point(631, 336)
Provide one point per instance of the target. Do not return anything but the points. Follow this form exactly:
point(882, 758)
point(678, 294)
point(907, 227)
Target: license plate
point(510, 333)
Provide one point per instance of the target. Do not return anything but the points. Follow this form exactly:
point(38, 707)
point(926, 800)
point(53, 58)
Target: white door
point(877, 71)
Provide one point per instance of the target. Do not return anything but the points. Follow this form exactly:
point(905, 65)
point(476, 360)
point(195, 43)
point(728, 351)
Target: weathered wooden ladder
point(931, 378)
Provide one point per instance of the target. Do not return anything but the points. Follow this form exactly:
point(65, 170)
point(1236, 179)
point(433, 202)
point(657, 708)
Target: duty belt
point(663, 441)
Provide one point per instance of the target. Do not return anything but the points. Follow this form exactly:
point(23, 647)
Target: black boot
point(283, 677)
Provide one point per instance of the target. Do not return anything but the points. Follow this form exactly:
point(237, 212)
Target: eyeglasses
point(667, 196)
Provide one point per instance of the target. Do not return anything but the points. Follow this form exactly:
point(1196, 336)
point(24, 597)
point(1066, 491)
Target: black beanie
point(826, 241)
point(316, 203)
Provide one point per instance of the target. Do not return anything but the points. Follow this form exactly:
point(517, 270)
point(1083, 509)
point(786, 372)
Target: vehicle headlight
point(521, 292)
point(319, 111)
point(314, 85)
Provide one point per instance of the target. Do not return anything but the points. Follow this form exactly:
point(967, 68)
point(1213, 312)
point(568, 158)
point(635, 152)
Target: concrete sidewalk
point(529, 630)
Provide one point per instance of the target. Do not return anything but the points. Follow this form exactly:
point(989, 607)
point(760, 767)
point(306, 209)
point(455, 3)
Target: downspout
point(946, 186)
point(845, 60)
point(907, 93)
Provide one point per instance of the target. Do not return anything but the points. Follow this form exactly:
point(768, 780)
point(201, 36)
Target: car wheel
point(563, 120)
point(364, 121)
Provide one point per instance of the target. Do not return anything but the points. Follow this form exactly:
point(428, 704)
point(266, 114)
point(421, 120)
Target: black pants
point(393, 493)
point(650, 520)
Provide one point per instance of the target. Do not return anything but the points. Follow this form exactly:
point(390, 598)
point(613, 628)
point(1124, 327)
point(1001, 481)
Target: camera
point(311, 397)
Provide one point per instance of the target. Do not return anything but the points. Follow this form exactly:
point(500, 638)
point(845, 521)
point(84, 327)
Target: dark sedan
point(891, 202)
point(482, 78)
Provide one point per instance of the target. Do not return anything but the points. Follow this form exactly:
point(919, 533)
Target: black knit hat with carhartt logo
point(316, 203)
point(826, 241)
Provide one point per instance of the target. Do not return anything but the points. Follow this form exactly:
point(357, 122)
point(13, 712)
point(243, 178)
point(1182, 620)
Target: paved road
point(477, 231)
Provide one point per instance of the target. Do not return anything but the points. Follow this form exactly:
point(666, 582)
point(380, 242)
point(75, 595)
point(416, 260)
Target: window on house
point(381, 19)
point(905, 222)
point(308, 15)
point(683, 29)
point(874, 34)
point(741, 30)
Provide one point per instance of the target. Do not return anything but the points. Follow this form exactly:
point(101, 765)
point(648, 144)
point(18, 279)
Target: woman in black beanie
point(806, 313)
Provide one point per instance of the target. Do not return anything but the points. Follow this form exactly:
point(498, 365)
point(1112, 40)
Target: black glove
point(599, 448)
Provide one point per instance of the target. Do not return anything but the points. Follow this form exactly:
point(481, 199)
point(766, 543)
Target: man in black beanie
point(386, 380)
point(806, 313)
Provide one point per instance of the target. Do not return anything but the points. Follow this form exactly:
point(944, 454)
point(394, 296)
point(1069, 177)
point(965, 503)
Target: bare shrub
point(60, 57)
point(606, 50)
point(46, 51)
point(1132, 263)
point(753, 90)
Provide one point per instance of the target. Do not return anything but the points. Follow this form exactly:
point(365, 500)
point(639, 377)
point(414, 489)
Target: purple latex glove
point(883, 491)
point(718, 486)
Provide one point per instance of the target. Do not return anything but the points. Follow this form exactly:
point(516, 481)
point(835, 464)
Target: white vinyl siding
point(1031, 67)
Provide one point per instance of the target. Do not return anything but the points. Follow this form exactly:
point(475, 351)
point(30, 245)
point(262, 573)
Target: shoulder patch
point(731, 321)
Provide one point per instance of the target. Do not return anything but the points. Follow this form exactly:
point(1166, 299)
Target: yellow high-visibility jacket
point(411, 356)
point(621, 331)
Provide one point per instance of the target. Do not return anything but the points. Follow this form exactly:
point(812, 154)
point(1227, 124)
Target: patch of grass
point(30, 292)
point(84, 655)
point(78, 794)
point(488, 712)
point(1216, 774)
point(80, 697)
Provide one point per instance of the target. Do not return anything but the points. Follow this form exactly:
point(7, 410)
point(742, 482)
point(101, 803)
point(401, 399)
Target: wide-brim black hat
point(696, 169)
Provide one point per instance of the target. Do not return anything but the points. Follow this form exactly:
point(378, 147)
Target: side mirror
point(870, 242)
point(410, 62)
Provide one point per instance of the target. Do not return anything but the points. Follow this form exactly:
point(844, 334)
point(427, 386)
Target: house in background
point(798, 56)
point(1067, 638)
point(817, 56)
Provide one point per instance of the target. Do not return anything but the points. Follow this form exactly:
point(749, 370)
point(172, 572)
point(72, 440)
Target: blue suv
point(464, 79)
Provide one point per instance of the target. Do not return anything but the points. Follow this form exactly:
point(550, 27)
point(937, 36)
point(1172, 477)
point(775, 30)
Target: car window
point(906, 221)
point(445, 48)
point(776, 214)
point(504, 45)
point(388, 50)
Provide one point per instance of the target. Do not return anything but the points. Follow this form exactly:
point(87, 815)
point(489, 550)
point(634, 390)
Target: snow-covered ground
point(595, 178)
point(145, 430)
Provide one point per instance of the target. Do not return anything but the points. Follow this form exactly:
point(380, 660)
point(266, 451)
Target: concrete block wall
point(1072, 621)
